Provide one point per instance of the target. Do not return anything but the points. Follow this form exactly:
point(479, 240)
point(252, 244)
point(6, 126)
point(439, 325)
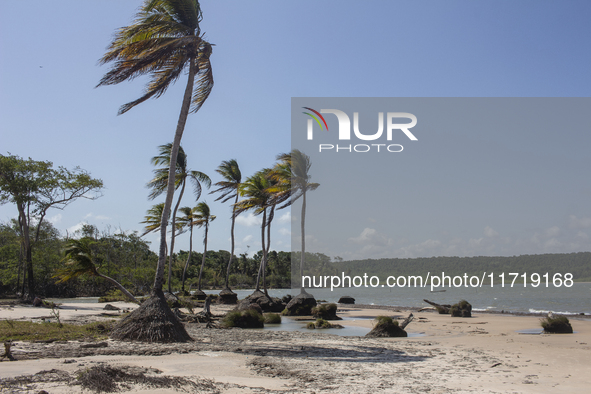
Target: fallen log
point(406, 321)
point(443, 309)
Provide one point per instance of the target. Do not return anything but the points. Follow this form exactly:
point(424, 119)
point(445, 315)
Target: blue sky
point(267, 52)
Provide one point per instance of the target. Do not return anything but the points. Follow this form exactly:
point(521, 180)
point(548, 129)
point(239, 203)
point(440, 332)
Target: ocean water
point(571, 300)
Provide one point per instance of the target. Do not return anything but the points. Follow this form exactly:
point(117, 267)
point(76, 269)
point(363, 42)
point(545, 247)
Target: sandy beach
point(485, 353)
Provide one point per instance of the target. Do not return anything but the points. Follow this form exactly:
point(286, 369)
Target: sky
point(265, 53)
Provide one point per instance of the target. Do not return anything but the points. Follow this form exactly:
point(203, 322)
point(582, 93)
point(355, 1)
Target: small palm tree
point(80, 260)
point(228, 188)
point(203, 217)
point(299, 164)
point(159, 183)
point(257, 198)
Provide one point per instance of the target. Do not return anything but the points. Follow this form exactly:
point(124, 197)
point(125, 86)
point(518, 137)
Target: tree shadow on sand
point(353, 353)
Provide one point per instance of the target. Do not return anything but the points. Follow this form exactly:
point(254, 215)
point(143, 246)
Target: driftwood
point(443, 309)
point(7, 352)
point(406, 321)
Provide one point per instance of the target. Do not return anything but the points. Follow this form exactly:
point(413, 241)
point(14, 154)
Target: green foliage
point(558, 324)
point(244, 319)
point(321, 323)
point(385, 320)
point(113, 296)
point(272, 318)
point(30, 331)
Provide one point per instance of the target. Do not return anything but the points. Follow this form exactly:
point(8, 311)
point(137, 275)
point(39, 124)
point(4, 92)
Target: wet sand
point(485, 353)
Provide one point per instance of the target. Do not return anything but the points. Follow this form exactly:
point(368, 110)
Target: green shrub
point(272, 318)
point(387, 320)
point(321, 323)
point(559, 324)
point(244, 319)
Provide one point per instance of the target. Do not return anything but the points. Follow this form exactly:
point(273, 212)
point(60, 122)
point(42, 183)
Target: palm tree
point(159, 183)
point(203, 217)
point(299, 164)
point(80, 260)
point(228, 188)
point(257, 198)
point(188, 220)
point(164, 40)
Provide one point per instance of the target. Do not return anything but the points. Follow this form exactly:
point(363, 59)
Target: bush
point(325, 311)
point(244, 319)
point(558, 325)
point(272, 318)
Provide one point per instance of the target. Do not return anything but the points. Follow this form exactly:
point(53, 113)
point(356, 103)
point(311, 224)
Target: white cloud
point(76, 227)
point(285, 218)
point(489, 232)
point(55, 219)
point(248, 220)
point(285, 231)
point(576, 223)
point(247, 239)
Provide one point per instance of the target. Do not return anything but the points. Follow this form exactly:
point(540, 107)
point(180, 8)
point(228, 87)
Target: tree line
point(125, 257)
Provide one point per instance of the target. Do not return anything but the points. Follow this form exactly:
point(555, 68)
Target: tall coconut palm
point(203, 217)
point(164, 40)
point(256, 198)
point(159, 183)
point(187, 220)
point(228, 188)
point(80, 260)
point(299, 164)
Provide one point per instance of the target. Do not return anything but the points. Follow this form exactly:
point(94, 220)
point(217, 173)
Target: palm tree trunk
point(266, 252)
point(232, 235)
point(189, 257)
point(204, 253)
point(159, 277)
point(120, 287)
point(303, 232)
point(173, 221)
point(258, 286)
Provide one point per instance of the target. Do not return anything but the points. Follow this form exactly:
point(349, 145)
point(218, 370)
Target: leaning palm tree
point(299, 164)
point(159, 183)
point(164, 40)
point(228, 188)
point(256, 198)
point(203, 217)
point(80, 260)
